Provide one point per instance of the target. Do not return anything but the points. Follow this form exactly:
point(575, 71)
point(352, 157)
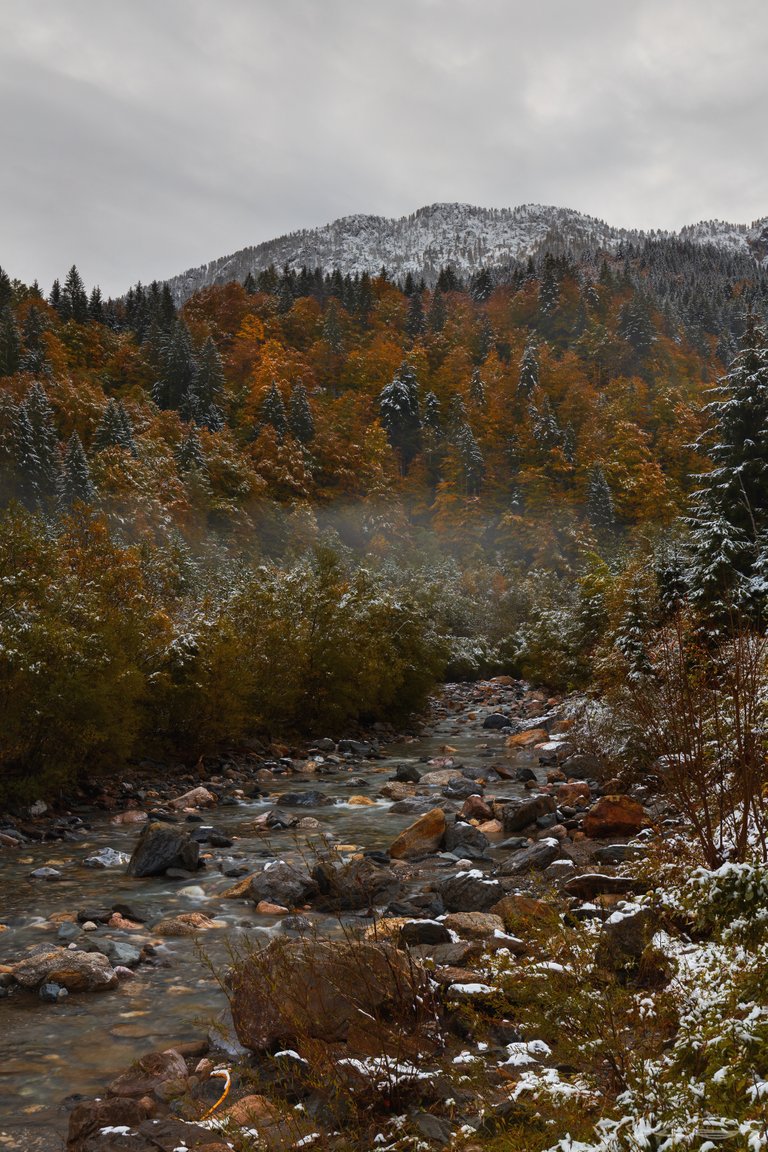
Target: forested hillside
point(297, 502)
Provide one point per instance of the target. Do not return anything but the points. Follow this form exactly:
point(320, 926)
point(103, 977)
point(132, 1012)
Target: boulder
point(106, 858)
point(460, 789)
point(591, 884)
point(313, 988)
point(442, 776)
point(312, 798)
point(396, 790)
point(88, 1120)
point(475, 808)
point(414, 933)
point(196, 798)
point(496, 721)
point(282, 883)
point(618, 853)
point(614, 816)
point(469, 891)
point(465, 840)
point(528, 739)
point(407, 774)
point(474, 925)
point(537, 857)
point(625, 935)
point(425, 835)
point(575, 793)
point(520, 813)
point(148, 1073)
point(185, 924)
point(163, 846)
point(75, 971)
point(522, 914)
point(353, 885)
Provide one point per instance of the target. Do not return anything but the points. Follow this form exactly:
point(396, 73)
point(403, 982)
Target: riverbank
point(474, 849)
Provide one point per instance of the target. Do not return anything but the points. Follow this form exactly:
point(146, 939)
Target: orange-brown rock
point(575, 793)
point(475, 808)
point(425, 835)
point(528, 739)
point(185, 924)
point(522, 913)
point(253, 1111)
point(614, 816)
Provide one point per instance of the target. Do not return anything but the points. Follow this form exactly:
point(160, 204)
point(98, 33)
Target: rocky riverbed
point(119, 917)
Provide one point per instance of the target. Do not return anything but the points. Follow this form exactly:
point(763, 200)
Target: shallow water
point(49, 1052)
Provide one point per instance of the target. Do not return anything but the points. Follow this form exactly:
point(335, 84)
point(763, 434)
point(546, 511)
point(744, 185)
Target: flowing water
point(49, 1052)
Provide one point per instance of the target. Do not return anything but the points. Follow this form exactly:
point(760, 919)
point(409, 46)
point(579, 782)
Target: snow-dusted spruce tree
point(75, 484)
point(600, 510)
point(528, 380)
point(115, 429)
point(400, 414)
point(301, 422)
point(177, 369)
point(729, 517)
point(201, 401)
point(273, 412)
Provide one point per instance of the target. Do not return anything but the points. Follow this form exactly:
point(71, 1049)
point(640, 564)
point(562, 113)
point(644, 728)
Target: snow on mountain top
point(462, 235)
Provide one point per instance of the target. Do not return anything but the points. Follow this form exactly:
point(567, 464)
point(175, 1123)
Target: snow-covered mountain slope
point(461, 235)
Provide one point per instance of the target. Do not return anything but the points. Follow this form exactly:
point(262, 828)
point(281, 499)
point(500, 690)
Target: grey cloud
point(139, 139)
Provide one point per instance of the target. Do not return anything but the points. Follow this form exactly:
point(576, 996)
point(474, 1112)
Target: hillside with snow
point(460, 235)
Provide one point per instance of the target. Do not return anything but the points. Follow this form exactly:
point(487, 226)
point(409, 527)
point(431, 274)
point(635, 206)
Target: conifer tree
point(400, 415)
point(75, 484)
point(431, 417)
point(415, 322)
point(46, 438)
point(438, 313)
point(273, 410)
point(177, 369)
point(190, 455)
point(201, 402)
point(471, 458)
point(74, 298)
point(115, 429)
point(528, 379)
point(33, 357)
point(26, 463)
point(729, 518)
point(600, 509)
point(96, 306)
point(301, 422)
point(477, 389)
point(6, 289)
point(10, 344)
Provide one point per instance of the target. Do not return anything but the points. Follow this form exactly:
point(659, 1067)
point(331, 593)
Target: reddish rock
point(528, 739)
point(148, 1074)
point(614, 816)
point(574, 794)
point(475, 808)
point(425, 835)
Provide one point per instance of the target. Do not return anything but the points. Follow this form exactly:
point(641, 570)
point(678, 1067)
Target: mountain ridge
point(465, 236)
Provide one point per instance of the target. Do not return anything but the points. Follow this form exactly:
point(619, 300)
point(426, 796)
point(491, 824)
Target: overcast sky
point(142, 137)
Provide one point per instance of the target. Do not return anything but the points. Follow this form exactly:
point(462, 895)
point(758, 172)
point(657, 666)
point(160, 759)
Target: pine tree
point(75, 484)
point(54, 299)
point(177, 369)
point(96, 306)
point(34, 357)
point(10, 344)
point(115, 429)
point(300, 419)
point(249, 284)
point(6, 289)
point(600, 510)
point(400, 416)
point(729, 517)
point(74, 298)
point(26, 463)
point(201, 403)
point(333, 333)
point(431, 417)
point(477, 390)
point(415, 322)
point(273, 412)
point(471, 458)
point(190, 455)
point(528, 379)
point(438, 313)
point(46, 438)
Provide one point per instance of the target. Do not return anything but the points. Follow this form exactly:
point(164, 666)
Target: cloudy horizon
point(140, 140)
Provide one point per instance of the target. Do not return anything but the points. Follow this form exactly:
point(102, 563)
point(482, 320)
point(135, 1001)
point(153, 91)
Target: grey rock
point(496, 721)
point(312, 798)
point(520, 813)
point(106, 858)
point(45, 874)
point(282, 883)
point(537, 857)
point(618, 853)
point(466, 840)
point(469, 891)
point(418, 932)
point(161, 847)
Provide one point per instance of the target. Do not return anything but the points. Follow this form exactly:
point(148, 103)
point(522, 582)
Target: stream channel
point(52, 1052)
